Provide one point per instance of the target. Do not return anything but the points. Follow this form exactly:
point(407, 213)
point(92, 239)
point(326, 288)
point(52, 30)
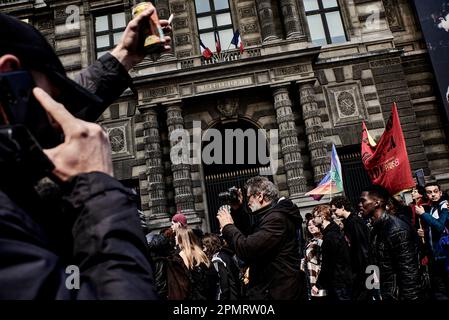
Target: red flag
point(217, 42)
point(207, 54)
point(387, 162)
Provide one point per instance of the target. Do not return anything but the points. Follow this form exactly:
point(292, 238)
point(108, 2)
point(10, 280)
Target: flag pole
point(330, 193)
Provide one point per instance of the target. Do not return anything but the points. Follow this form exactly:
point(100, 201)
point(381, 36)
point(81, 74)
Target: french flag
point(217, 42)
point(207, 54)
point(237, 41)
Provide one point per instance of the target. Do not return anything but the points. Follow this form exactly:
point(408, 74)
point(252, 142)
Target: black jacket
point(395, 252)
point(39, 238)
point(336, 264)
point(108, 246)
point(357, 233)
point(106, 78)
point(271, 251)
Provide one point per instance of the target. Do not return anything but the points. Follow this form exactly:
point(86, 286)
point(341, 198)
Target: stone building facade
point(314, 93)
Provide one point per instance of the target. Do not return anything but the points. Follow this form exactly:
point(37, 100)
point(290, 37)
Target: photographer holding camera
point(106, 244)
point(271, 248)
point(233, 197)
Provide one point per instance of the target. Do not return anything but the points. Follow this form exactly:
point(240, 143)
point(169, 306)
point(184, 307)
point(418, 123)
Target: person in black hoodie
point(336, 275)
point(357, 234)
point(271, 249)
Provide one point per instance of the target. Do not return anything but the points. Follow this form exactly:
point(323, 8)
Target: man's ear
point(8, 63)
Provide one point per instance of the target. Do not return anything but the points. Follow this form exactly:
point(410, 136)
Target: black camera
point(230, 196)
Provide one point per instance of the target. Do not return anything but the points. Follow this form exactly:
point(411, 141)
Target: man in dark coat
point(335, 276)
point(271, 249)
point(65, 242)
point(357, 234)
point(394, 245)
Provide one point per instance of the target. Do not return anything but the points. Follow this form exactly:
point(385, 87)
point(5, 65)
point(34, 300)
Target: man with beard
point(271, 248)
point(394, 247)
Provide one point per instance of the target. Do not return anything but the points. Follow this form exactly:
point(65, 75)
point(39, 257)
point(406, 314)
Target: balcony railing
point(223, 57)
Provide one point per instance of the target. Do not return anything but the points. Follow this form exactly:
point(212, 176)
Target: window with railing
point(214, 16)
point(108, 31)
point(325, 21)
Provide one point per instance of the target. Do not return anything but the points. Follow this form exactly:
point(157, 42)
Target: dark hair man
point(106, 244)
point(335, 276)
point(394, 247)
point(357, 234)
point(436, 220)
point(271, 249)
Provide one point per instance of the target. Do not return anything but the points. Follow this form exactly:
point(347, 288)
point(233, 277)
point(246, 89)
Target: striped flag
point(217, 42)
point(332, 181)
point(207, 54)
point(237, 41)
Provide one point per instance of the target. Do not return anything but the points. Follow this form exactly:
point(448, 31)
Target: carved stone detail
point(228, 107)
point(183, 54)
point(292, 70)
point(247, 12)
point(291, 152)
point(178, 7)
point(393, 14)
point(182, 39)
point(249, 28)
point(345, 103)
point(180, 23)
point(159, 92)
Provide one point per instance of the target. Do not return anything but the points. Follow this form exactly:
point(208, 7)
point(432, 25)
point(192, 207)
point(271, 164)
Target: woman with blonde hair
point(202, 275)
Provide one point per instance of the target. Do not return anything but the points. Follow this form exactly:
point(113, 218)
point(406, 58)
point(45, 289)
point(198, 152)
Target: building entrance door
point(221, 175)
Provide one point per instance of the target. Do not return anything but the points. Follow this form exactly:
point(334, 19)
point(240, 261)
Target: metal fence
point(355, 177)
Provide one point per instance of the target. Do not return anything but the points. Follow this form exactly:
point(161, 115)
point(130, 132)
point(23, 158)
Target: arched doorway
point(241, 150)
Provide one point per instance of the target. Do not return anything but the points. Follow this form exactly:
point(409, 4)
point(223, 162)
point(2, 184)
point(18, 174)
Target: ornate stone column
point(266, 20)
point(314, 131)
point(182, 181)
point(155, 171)
point(289, 141)
point(291, 19)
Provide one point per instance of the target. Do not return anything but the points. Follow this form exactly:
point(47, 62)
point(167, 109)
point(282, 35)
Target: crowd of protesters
point(385, 250)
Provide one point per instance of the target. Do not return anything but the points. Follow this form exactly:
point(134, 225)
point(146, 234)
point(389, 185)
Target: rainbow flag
point(332, 181)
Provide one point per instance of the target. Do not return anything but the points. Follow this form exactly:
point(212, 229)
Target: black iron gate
point(355, 177)
point(217, 183)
